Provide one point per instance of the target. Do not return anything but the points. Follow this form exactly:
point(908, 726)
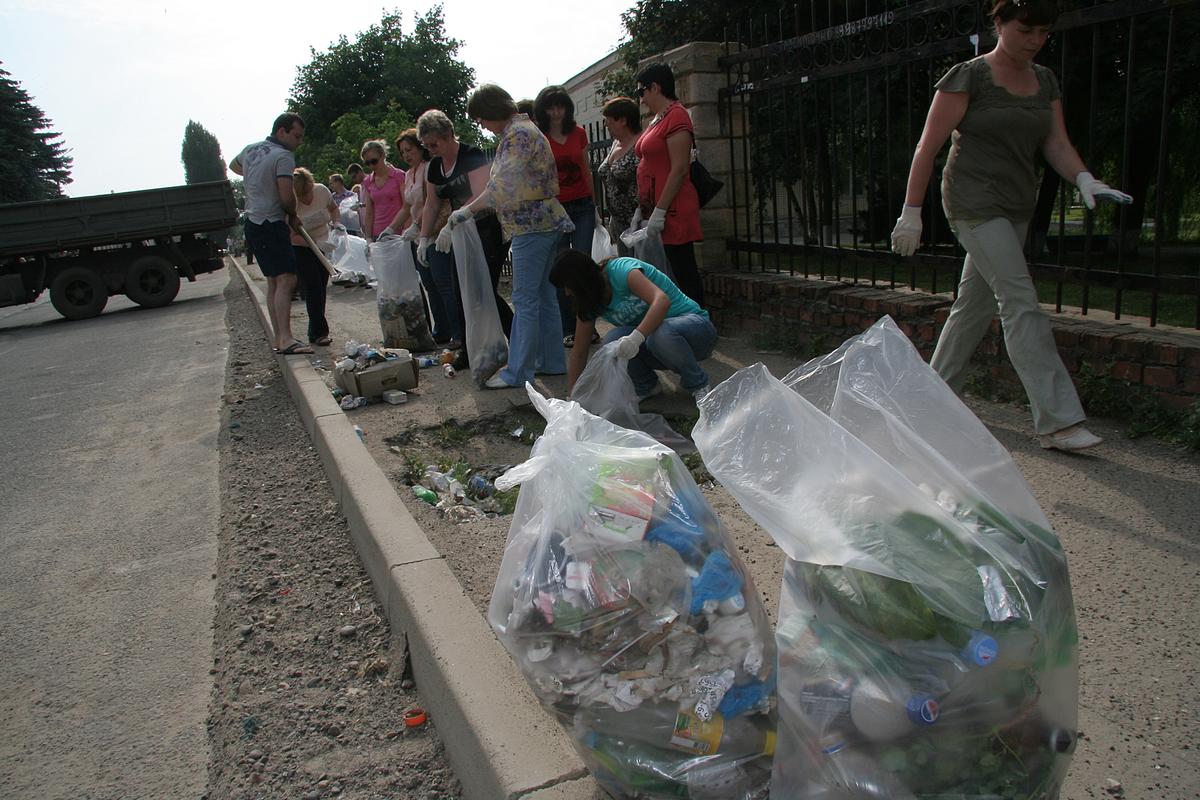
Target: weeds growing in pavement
point(1106, 397)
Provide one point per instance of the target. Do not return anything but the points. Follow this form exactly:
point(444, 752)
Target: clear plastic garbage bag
point(623, 601)
point(398, 295)
point(606, 390)
point(348, 211)
point(646, 246)
point(603, 247)
point(350, 255)
point(927, 640)
point(487, 349)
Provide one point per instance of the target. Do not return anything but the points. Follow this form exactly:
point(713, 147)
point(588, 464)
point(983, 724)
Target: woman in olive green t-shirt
point(1002, 109)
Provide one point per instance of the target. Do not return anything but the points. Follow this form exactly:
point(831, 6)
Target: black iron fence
point(826, 100)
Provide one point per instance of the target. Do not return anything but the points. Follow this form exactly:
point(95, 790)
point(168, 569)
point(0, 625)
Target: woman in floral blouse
point(523, 189)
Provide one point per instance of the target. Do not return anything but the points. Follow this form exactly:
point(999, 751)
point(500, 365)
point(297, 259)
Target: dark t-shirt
point(456, 187)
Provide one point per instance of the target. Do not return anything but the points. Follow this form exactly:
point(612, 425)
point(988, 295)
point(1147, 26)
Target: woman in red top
point(554, 113)
point(664, 182)
point(384, 189)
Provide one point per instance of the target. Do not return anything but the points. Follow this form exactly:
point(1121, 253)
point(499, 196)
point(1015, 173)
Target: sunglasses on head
point(370, 162)
point(641, 90)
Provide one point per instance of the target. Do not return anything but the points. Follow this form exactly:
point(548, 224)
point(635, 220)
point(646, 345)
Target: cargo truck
point(87, 249)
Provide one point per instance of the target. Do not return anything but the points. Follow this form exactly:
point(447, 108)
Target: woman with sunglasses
point(666, 195)
point(1003, 110)
point(383, 189)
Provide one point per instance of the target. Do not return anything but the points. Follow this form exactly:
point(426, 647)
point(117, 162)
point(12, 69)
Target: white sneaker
point(1070, 439)
point(653, 391)
point(496, 382)
point(698, 394)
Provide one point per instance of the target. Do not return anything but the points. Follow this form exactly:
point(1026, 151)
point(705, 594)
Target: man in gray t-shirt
point(266, 167)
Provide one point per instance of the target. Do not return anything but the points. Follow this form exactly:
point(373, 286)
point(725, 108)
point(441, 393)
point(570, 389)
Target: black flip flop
point(296, 349)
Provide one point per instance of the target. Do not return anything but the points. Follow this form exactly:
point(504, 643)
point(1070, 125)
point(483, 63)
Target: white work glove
point(444, 242)
point(1091, 190)
point(411, 233)
point(628, 346)
point(386, 232)
point(337, 226)
point(906, 236)
point(657, 221)
point(458, 217)
point(422, 251)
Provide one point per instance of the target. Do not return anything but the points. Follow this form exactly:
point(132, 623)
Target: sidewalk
point(1127, 518)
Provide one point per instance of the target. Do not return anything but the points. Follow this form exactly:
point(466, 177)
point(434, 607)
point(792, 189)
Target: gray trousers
point(995, 276)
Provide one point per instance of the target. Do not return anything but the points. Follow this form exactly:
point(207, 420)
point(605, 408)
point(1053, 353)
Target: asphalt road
point(108, 513)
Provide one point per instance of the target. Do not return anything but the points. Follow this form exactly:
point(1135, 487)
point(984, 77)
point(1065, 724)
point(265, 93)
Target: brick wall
point(1166, 362)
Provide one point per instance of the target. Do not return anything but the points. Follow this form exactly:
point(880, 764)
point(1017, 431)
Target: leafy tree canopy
point(376, 85)
point(34, 164)
point(201, 155)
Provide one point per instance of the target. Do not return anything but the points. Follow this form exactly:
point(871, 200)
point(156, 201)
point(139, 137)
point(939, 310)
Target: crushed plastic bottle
point(428, 495)
point(362, 435)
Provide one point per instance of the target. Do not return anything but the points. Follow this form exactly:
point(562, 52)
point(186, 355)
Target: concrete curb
point(499, 740)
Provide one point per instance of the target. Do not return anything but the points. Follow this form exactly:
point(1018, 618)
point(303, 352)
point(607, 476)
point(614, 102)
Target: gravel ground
point(1126, 517)
point(310, 689)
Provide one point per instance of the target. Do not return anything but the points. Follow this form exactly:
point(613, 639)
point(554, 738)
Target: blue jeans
point(445, 280)
point(679, 344)
point(583, 213)
point(436, 309)
point(535, 344)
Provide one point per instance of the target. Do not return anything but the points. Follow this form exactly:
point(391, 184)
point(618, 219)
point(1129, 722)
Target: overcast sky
point(121, 78)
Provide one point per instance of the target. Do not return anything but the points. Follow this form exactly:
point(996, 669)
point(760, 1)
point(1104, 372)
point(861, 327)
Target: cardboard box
point(373, 381)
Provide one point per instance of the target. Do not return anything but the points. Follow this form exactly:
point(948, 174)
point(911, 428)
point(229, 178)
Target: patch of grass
point(452, 434)
point(507, 501)
point(682, 423)
point(414, 467)
point(695, 465)
point(1104, 396)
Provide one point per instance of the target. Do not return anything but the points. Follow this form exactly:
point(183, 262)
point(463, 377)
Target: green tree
point(201, 155)
point(34, 164)
point(375, 85)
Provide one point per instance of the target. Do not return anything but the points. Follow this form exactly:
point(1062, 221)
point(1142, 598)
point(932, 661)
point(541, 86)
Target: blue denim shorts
point(272, 246)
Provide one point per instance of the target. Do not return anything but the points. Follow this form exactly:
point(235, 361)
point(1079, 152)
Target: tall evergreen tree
point(34, 164)
point(201, 155)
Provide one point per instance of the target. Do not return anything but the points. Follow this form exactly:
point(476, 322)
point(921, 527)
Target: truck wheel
point(78, 293)
point(151, 282)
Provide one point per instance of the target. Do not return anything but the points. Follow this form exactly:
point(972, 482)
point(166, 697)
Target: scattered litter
point(362, 435)
point(394, 397)
point(519, 432)
point(259, 386)
point(448, 370)
point(350, 402)
point(415, 717)
point(428, 495)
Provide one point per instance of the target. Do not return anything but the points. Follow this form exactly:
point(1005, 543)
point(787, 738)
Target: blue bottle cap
point(981, 650)
point(923, 709)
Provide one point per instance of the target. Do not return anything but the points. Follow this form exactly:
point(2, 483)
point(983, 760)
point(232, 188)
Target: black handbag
point(706, 185)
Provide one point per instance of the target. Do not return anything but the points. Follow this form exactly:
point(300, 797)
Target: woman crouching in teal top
point(656, 325)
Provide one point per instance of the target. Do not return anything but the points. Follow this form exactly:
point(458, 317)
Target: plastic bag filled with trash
point(487, 348)
point(623, 601)
point(927, 639)
point(398, 295)
point(606, 390)
point(350, 257)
